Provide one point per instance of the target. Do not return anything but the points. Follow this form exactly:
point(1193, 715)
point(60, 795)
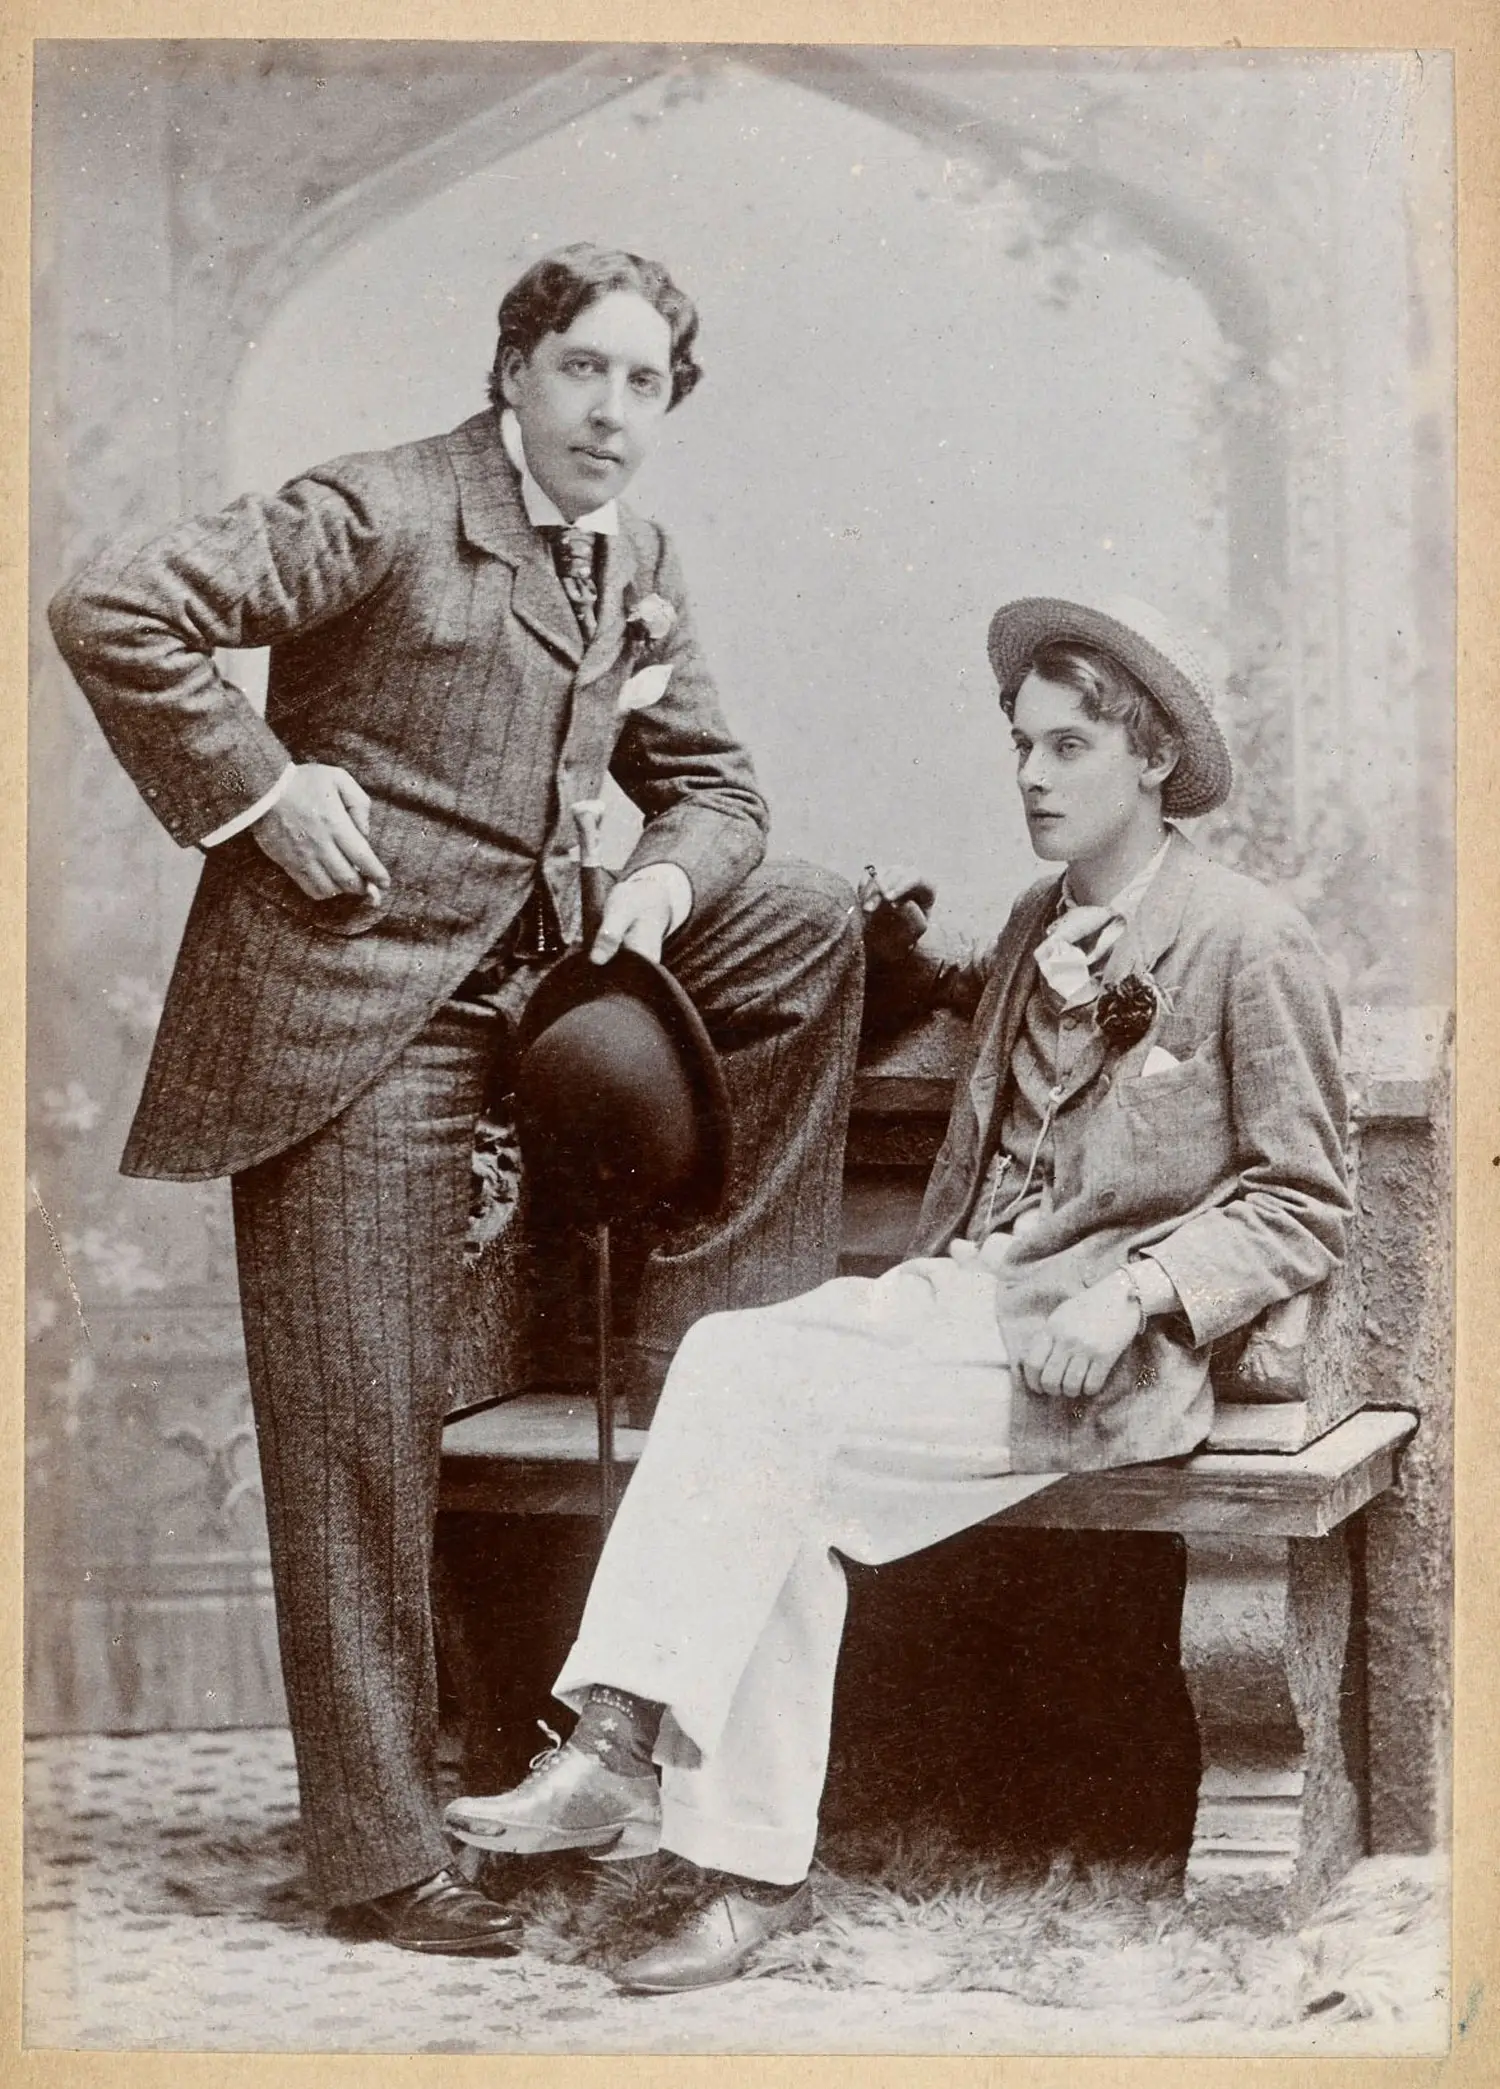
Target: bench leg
point(1265, 1630)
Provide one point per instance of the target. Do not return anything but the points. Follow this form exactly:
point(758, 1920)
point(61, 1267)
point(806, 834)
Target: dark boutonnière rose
point(1126, 1009)
point(649, 619)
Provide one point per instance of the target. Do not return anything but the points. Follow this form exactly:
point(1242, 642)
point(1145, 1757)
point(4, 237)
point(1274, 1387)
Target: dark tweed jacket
point(419, 638)
point(1230, 1167)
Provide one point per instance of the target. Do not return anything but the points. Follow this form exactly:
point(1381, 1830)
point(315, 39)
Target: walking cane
point(594, 887)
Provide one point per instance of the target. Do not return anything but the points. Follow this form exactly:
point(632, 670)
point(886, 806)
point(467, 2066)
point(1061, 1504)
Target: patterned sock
point(619, 1729)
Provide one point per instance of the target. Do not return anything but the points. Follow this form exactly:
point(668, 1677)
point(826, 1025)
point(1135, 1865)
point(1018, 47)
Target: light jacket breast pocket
point(1159, 1089)
point(1181, 1118)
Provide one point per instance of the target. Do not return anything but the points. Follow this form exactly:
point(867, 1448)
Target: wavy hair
point(554, 290)
point(1106, 689)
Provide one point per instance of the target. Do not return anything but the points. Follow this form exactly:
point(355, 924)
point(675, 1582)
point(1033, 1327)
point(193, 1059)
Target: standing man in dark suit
point(467, 634)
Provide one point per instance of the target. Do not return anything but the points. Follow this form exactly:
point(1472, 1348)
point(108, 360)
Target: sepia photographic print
point(740, 1268)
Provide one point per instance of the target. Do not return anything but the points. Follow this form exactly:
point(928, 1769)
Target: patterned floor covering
point(163, 1912)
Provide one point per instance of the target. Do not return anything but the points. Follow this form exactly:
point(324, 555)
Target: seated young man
point(1146, 1150)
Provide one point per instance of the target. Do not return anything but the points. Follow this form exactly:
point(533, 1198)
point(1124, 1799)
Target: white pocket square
point(1158, 1061)
point(646, 688)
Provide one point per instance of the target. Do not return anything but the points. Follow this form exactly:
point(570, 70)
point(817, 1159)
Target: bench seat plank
point(1302, 1494)
point(535, 1456)
point(531, 1456)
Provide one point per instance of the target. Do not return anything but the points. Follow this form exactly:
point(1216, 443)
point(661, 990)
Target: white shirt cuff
point(675, 882)
point(251, 814)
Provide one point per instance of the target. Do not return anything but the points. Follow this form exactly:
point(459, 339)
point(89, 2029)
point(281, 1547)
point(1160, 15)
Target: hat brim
point(1204, 773)
point(576, 980)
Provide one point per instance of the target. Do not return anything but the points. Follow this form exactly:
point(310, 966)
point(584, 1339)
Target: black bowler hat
point(620, 1100)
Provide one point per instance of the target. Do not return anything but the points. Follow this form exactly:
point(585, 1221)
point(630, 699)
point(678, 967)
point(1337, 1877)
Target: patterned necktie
point(575, 568)
point(1063, 962)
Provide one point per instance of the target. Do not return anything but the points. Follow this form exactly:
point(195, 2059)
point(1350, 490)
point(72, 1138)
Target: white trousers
point(870, 1417)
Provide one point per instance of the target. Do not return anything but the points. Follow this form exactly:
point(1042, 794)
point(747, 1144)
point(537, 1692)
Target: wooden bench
point(1266, 1620)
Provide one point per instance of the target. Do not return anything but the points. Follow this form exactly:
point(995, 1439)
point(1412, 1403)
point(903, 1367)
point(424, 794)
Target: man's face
point(591, 401)
point(1082, 789)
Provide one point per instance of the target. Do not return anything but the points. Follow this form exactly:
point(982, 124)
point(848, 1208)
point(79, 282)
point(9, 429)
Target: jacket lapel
point(604, 647)
point(997, 1020)
point(1151, 929)
point(992, 1036)
point(495, 521)
point(997, 1024)
point(593, 726)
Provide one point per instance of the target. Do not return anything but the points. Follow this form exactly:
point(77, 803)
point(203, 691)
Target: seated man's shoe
point(569, 1801)
point(716, 1943)
point(440, 1915)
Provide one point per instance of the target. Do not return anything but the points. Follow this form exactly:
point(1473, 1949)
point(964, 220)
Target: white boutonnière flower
point(650, 619)
point(648, 622)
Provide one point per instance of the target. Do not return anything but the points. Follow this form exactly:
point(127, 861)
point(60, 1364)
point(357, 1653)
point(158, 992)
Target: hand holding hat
point(621, 1106)
point(637, 916)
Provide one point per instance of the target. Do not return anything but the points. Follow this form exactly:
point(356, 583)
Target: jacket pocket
point(347, 914)
point(1181, 1129)
point(1196, 1085)
point(252, 873)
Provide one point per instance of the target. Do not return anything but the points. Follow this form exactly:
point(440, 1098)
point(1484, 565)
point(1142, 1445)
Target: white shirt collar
point(541, 509)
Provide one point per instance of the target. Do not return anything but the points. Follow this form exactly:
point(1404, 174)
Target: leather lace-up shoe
point(715, 1943)
point(568, 1801)
point(443, 1914)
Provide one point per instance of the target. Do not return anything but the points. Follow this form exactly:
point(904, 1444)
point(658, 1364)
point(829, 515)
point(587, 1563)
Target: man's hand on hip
point(317, 832)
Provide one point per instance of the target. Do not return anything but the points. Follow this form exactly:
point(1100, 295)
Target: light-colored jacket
point(1230, 1166)
point(420, 638)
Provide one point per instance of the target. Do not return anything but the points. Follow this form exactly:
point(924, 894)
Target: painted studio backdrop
point(975, 324)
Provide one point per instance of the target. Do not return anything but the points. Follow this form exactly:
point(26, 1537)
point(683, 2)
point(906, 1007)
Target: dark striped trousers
point(351, 1284)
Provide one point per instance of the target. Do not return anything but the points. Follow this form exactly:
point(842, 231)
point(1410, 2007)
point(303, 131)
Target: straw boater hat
point(1132, 633)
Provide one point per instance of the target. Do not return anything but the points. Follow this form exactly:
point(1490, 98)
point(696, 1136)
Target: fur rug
point(918, 1914)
